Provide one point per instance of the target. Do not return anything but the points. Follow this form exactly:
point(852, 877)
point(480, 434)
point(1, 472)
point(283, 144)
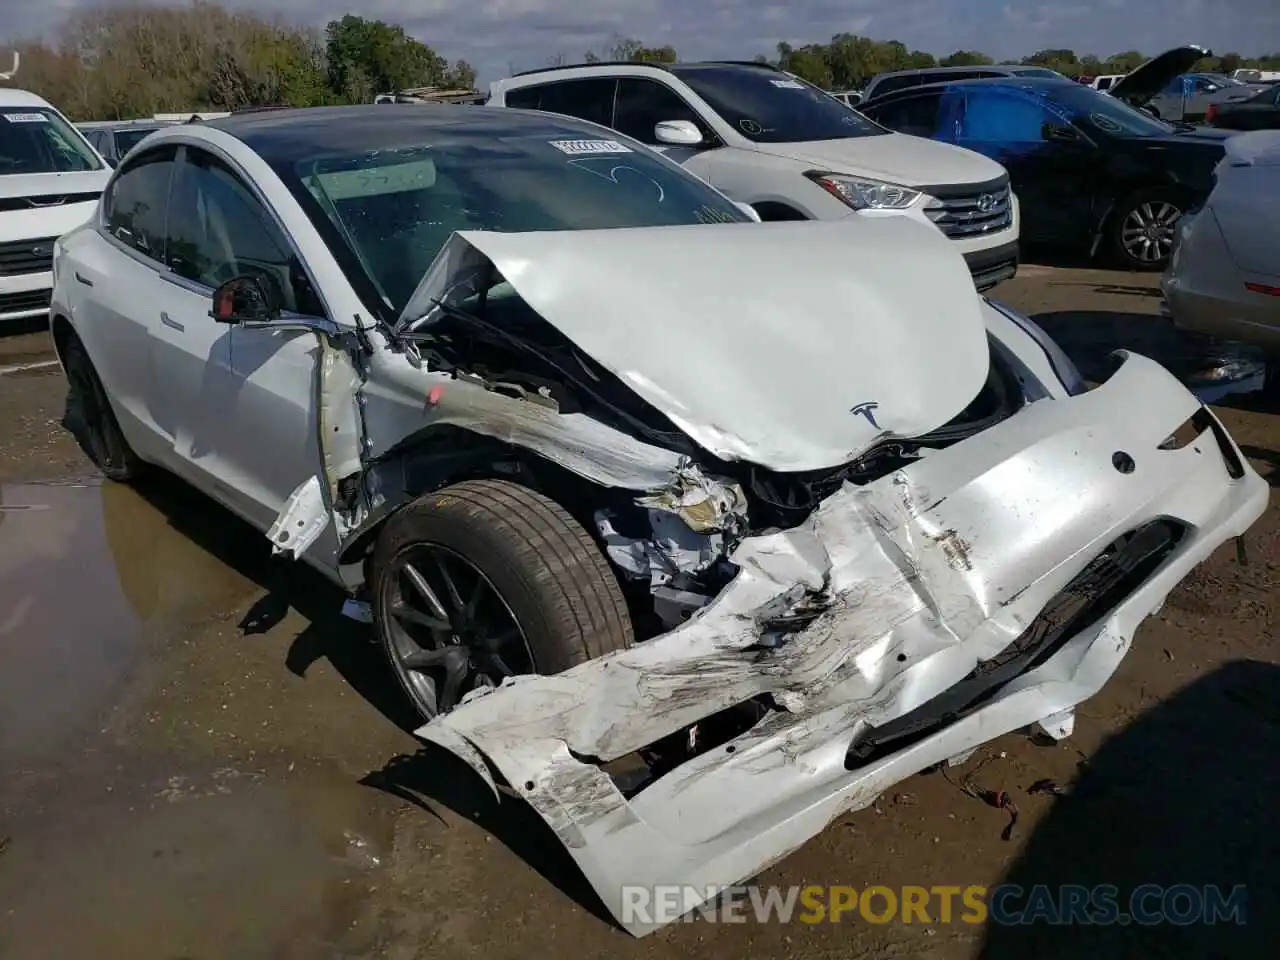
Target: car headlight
point(863, 194)
point(1061, 364)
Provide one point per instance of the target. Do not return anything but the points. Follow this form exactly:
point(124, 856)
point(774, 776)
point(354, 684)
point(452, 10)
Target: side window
point(643, 104)
point(524, 98)
point(218, 231)
point(585, 99)
point(135, 206)
point(916, 115)
point(991, 117)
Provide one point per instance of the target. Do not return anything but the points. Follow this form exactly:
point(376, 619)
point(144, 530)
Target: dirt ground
point(199, 758)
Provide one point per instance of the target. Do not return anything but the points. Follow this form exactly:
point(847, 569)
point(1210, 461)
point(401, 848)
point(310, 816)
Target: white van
point(50, 182)
point(767, 139)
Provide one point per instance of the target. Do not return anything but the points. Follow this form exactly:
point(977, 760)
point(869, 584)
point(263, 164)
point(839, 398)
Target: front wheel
point(488, 579)
point(1142, 229)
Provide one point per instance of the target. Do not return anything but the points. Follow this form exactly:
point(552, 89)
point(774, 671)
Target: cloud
point(496, 34)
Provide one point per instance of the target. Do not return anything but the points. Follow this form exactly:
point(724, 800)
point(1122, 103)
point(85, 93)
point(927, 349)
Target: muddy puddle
point(85, 568)
point(118, 839)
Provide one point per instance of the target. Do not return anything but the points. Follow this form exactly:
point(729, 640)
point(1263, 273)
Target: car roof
point(121, 125)
point(1032, 84)
point(11, 97)
point(653, 64)
point(294, 133)
point(959, 69)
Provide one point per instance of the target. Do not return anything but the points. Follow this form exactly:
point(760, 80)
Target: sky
point(498, 35)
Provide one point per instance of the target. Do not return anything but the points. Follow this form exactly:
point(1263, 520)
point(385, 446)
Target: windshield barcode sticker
point(26, 118)
point(788, 84)
point(580, 147)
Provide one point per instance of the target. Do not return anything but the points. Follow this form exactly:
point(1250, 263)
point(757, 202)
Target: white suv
point(791, 151)
point(50, 182)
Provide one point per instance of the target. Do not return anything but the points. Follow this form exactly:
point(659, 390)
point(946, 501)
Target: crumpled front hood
point(896, 158)
point(795, 346)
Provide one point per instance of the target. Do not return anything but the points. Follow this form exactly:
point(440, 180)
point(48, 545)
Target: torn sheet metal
point(403, 402)
point(692, 524)
point(304, 517)
point(704, 503)
point(907, 584)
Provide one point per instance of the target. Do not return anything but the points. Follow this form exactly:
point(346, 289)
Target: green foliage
point(123, 62)
point(966, 58)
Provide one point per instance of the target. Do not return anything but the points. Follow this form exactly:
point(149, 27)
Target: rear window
point(126, 140)
point(768, 106)
point(38, 140)
point(890, 84)
point(587, 99)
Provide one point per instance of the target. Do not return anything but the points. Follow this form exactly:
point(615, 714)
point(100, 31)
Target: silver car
point(1189, 96)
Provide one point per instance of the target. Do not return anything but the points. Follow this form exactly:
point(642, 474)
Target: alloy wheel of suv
point(1143, 229)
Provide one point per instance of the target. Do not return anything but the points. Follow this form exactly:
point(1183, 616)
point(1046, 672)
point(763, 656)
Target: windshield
point(37, 140)
point(1037, 72)
point(768, 106)
point(1094, 111)
point(394, 209)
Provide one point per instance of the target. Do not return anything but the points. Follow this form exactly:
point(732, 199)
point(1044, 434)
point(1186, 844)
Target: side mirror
point(678, 133)
point(245, 300)
point(1059, 134)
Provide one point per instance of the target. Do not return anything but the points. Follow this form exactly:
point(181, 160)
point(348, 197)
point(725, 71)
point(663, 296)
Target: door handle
point(83, 279)
point(168, 321)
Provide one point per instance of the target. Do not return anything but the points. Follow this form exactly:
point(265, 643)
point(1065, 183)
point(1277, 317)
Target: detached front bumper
point(910, 588)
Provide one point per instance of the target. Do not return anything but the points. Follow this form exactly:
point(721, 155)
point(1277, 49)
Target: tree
point(1230, 62)
point(966, 58)
point(131, 61)
point(1125, 62)
point(367, 57)
point(665, 54)
point(1064, 61)
point(621, 49)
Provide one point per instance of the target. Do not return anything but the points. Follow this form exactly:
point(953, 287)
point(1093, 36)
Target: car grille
point(26, 300)
point(47, 200)
point(26, 256)
point(972, 214)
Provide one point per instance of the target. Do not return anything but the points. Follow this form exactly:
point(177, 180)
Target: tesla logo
point(867, 410)
point(985, 203)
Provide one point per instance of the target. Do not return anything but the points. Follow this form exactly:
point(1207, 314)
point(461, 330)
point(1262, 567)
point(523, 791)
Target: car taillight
point(1211, 113)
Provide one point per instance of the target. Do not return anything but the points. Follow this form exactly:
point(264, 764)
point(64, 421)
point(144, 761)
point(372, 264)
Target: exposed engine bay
point(674, 542)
